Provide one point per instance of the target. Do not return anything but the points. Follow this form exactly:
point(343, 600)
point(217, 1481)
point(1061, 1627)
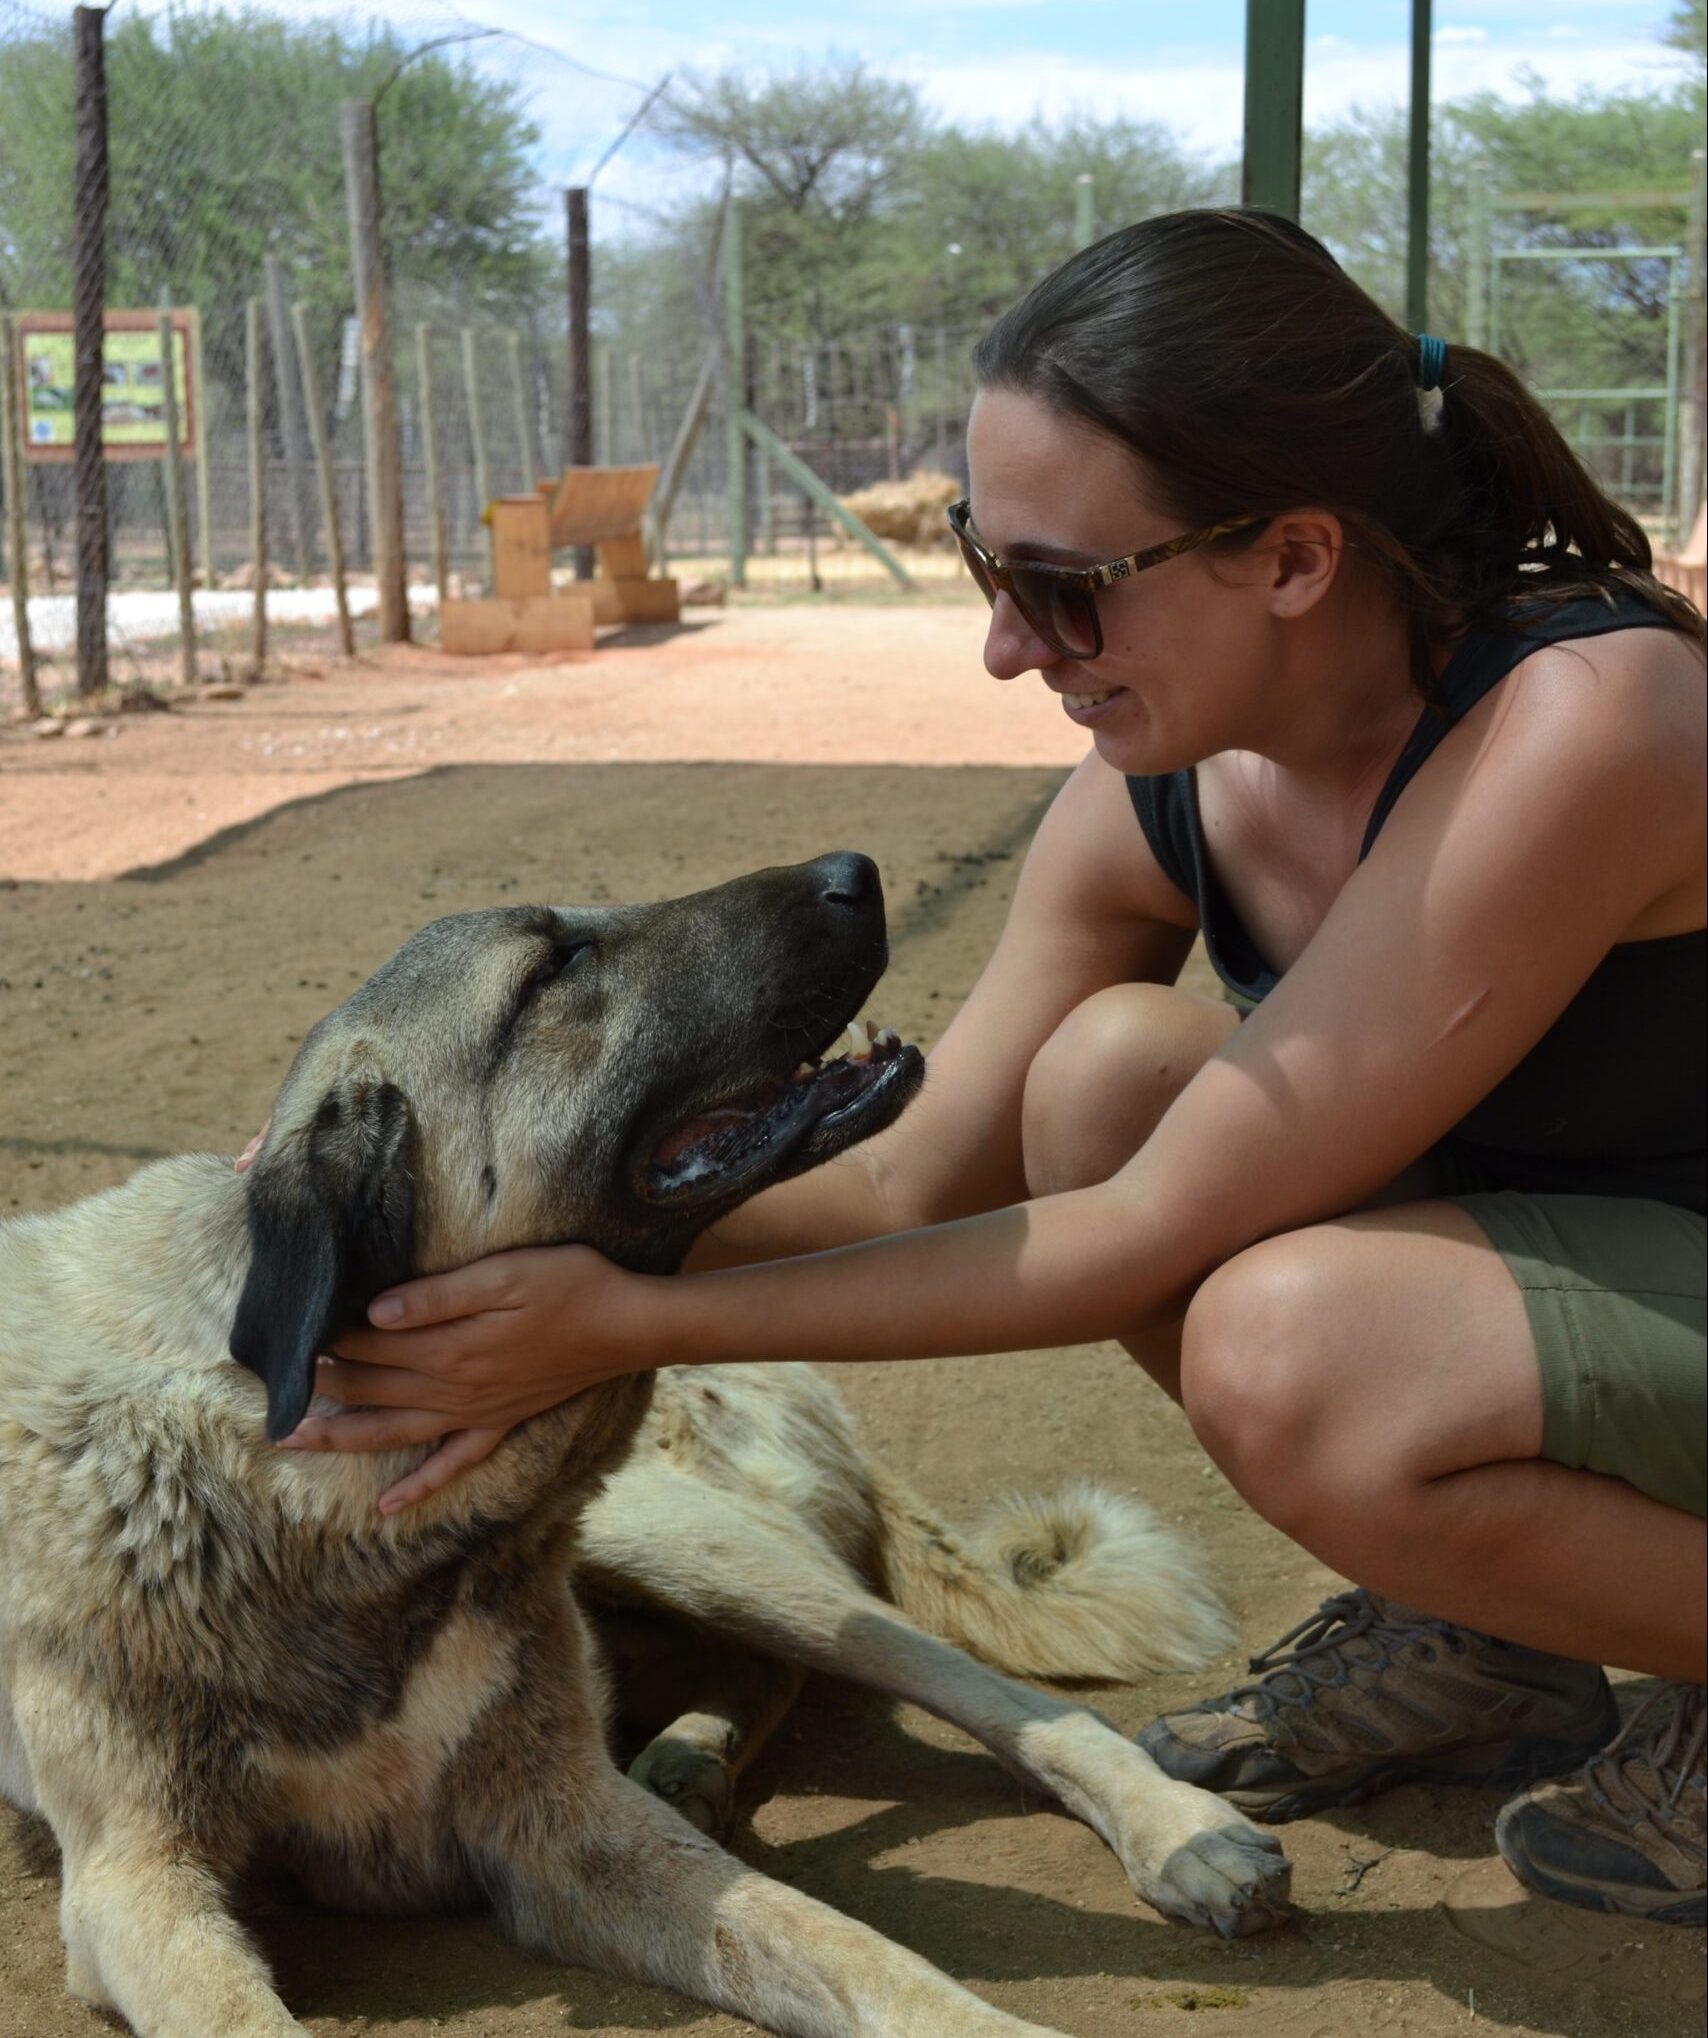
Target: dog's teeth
point(888, 1039)
point(804, 1071)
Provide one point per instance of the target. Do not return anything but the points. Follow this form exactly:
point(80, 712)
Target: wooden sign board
point(133, 397)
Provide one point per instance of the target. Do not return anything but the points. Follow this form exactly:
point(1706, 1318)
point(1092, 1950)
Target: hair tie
point(1431, 361)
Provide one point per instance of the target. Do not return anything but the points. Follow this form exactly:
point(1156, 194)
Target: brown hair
point(1252, 375)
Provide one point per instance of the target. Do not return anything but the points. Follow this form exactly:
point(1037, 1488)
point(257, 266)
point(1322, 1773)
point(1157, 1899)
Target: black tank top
point(1613, 1099)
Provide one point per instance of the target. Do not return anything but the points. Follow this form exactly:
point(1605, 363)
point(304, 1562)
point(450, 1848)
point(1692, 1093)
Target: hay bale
point(907, 512)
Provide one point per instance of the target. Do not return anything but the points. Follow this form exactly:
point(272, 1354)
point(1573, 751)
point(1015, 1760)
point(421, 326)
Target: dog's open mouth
point(825, 1106)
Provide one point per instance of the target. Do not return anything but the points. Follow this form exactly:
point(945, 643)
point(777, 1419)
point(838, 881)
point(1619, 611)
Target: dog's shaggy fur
point(212, 1652)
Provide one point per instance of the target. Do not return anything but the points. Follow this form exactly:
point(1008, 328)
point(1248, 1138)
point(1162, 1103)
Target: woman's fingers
point(440, 1298)
point(461, 1449)
point(369, 1429)
point(427, 1379)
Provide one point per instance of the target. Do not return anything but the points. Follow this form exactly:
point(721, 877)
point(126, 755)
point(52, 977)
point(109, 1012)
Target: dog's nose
point(848, 879)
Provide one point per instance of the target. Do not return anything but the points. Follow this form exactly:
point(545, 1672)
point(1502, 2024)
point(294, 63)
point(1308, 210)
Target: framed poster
point(133, 396)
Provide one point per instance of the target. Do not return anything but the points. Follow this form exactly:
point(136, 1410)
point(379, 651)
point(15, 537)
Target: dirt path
point(156, 1012)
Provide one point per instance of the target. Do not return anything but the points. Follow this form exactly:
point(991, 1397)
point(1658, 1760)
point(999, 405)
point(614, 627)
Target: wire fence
point(232, 190)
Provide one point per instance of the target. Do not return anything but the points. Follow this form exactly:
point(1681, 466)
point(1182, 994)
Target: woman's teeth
point(1090, 700)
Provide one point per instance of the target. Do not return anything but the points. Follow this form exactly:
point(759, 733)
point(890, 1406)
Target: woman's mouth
point(1089, 700)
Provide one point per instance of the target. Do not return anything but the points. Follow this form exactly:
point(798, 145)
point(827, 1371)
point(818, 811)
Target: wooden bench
point(597, 506)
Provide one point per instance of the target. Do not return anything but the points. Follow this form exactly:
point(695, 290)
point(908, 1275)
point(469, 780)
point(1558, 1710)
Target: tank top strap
point(1482, 658)
point(1167, 821)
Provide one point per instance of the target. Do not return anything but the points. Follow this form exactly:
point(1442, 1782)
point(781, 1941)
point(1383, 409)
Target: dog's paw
point(1214, 1868)
point(691, 1780)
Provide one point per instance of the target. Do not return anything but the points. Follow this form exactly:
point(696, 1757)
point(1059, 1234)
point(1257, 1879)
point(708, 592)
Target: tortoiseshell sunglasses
point(1059, 603)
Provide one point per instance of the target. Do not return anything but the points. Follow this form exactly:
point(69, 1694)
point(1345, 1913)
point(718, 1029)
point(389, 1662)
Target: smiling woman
point(1388, 706)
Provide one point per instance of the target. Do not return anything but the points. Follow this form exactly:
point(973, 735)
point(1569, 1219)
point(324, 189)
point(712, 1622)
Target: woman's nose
point(1011, 645)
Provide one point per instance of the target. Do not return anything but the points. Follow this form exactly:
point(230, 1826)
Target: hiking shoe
point(1367, 1694)
point(1626, 1833)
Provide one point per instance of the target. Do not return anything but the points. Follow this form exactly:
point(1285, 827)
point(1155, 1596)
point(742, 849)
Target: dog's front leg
point(626, 1886)
point(142, 1904)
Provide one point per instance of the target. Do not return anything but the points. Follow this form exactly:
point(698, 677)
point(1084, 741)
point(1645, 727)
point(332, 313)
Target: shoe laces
point(1655, 1756)
point(1314, 1655)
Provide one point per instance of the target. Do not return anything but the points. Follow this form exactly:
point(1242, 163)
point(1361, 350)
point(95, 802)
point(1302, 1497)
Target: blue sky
point(1004, 63)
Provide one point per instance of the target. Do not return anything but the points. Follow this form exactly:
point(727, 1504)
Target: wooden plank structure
point(599, 507)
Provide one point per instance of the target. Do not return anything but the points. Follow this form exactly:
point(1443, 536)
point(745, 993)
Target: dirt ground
point(180, 901)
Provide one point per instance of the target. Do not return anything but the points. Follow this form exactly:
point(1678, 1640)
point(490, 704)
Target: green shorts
point(1613, 1287)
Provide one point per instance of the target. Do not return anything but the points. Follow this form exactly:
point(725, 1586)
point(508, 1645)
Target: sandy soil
point(181, 901)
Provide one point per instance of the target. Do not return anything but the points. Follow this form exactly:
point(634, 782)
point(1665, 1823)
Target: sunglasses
point(1059, 603)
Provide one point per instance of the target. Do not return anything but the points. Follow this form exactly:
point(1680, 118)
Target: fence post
point(430, 452)
point(1694, 385)
point(477, 428)
point(177, 512)
point(290, 414)
point(12, 481)
point(580, 350)
point(257, 484)
point(379, 399)
point(735, 364)
point(1477, 278)
point(89, 303)
point(525, 449)
point(1084, 210)
point(1274, 104)
point(323, 470)
point(1417, 172)
point(204, 450)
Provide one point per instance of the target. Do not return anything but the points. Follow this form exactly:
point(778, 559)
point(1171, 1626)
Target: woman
point(1384, 700)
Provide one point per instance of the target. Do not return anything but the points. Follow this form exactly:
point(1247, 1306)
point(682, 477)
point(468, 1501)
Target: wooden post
point(430, 451)
point(735, 367)
point(580, 350)
point(290, 411)
point(1274, 104)
point(379, 399)
point(526, 452)
point(1417, 172)
point(477, 427)
point(323, 470)
point(90, 191)
point(177, 511)
point(204, 451)
point(605, 425)
point(257, 484)
point(12, 481)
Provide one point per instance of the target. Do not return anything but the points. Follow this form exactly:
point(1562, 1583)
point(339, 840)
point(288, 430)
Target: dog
point(215, 1654)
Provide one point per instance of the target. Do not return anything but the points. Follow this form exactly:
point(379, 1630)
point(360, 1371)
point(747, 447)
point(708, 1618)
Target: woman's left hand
point(459, 1358)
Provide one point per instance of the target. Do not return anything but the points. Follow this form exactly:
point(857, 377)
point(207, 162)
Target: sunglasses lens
point(1064, 617)
point(975, 564)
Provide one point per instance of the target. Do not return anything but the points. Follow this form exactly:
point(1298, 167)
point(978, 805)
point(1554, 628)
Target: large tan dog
point(212, 1652)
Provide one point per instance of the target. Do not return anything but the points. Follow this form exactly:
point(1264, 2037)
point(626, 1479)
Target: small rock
point(49, 725)
point(222, 690)
point(704, 594)
point(86, 725)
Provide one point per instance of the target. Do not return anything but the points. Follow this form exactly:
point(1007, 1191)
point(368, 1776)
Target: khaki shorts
point(1613, 1287)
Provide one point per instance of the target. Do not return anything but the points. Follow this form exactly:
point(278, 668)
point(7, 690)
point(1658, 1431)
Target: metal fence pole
point(253, 370)
point(1084, 210)
point(430, 453)
point(89, 303)
point(477, 427)
point(580, 281)
point(290, 411)
point(525, 449)
point(12, 481)
point(1477, 275)
point(1417, 171)
point(1274, 103)
point(379, 398)
point(323, 471)
point(734, 364)
point(203, 405)
point(1694, 352)
point(177, 511)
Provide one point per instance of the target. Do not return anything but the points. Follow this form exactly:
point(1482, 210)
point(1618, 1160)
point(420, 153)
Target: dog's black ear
point(331, 1213)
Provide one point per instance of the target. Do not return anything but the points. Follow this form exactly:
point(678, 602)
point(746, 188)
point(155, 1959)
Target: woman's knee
point(1261, 1384)
point(1100, 1083)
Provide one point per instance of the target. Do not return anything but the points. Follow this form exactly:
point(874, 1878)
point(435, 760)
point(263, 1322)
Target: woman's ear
point(1304, 548)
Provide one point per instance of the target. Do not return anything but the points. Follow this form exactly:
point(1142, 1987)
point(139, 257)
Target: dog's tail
point(1084, 1583)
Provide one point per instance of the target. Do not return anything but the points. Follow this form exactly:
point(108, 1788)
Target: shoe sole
point(1625, 1900)
point(1519, 1763)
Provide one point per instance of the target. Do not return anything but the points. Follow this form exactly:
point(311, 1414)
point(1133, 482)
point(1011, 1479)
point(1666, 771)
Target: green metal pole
point(177, 512)
point(810, 485)
point(1274, 104)
point(1477, 279)
point(1084, 210)
point(1417, 172)
point(735, 360)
